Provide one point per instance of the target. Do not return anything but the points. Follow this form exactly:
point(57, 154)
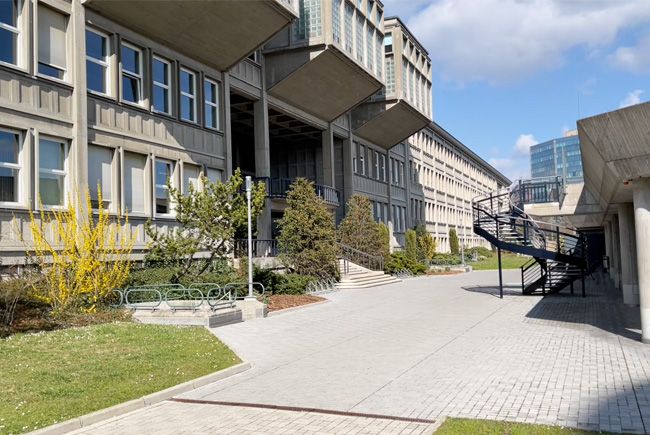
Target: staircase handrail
point(373, 262)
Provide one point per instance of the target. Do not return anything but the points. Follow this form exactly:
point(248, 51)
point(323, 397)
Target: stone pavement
point(427, 348)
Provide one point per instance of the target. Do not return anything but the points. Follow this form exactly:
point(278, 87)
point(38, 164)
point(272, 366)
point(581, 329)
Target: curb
point(142, 402)
point(296, 308)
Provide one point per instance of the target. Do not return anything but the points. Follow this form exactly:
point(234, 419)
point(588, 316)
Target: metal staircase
point(558, 253)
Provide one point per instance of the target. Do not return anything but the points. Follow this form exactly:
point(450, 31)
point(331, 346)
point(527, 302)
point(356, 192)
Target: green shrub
point(285, 284)
point(481, 251)
point(15, 291)
point(400, 261)
point(454, 244)
point(445, 259)
point(360, 231)
point(164, 275)
point(411, 244)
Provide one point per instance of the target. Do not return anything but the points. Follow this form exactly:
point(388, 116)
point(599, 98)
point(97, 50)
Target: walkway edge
point(296, 308)
point(142, 402)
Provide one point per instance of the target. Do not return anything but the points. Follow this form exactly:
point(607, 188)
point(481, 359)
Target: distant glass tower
point(558, 157)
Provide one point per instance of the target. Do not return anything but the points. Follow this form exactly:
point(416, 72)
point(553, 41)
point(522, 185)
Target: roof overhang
point(391, 124)
point(325, 84)
point(615, 150)
point(216, 32)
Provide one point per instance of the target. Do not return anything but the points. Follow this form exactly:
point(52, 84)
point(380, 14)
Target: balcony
point(278, 188)
point(329, 61)
point(218, 33)
point(387, 123)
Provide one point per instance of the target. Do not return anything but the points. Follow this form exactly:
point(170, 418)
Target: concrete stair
point(360, 277)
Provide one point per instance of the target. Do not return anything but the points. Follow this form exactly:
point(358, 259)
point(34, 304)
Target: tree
point(412, 245)
point(208, 218)
point(82, 256)
point(384, 235)
point(307, 239)
point(454, 245)
point(426, 247)
point(360, 231)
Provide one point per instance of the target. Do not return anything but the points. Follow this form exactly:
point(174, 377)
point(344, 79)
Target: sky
point(508, 74)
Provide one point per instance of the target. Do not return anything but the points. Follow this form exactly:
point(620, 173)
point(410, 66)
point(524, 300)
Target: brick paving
point(428, 348)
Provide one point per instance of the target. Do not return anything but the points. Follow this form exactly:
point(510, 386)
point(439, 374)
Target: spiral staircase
point(558, 254)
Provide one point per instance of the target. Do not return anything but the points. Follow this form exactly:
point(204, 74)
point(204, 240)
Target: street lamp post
point(250, 237)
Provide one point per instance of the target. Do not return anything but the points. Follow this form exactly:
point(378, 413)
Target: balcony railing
point(538, 191)
point(261, 248)
point(278, 188)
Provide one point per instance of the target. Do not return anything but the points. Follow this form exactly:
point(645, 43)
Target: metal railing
point(261, 248)
point(278, 188)
point(321, 286)
point(372, 262)
point(538, 191)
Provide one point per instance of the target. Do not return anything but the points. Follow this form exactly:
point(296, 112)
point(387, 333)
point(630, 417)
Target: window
point(379, 54)
point(52, 171)
point(191, 175)
point(360, 45)
point(375, 165)
point(370, 39)
point(163, 175)
point(131, 74)
point(100, 175)
point(9, 30)
point(390, 75)
point(369, 5)
point(214, 175)
point(360, 4)
point(52, 46)
point(211, 95)
point(309, 23)
point(382, 167)
point(336, 21)
point(379, 16)
point(388, 42)
point(349, 11)
point(9, 166)
point(134, 183)
point(362, 160)
point(188, 96)
point(162, 78)
point(97, 61)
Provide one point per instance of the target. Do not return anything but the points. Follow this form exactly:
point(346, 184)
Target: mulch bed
point(280, 302)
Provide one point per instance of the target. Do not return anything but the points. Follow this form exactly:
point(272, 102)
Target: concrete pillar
point(328, 156)
point(348, 171)
point(628, 257)
point(608, 246)
point(262, 161)
point(616, 249)
point(642, 230)
point(227, 128)
point(79, 153)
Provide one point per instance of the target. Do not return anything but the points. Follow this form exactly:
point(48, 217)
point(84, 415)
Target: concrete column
point(628, 257)
point(608, 246)
point(616, 249)
point(348, 170)
point(79, 153)
point(227, 128)
point(328, 156)
point(642, 230)
point(263, 161)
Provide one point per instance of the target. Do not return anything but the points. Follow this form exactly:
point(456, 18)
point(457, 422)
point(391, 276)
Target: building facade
point(125, 95)
point(558, 158)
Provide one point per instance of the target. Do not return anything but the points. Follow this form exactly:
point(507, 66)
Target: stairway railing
point(531, 273)
point(372, 262)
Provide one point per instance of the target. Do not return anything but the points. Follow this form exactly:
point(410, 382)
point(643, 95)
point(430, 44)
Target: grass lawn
point(508, 261)
point(463, 426)
point(50, 377)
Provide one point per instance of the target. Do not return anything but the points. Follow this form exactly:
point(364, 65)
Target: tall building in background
point(558, 157)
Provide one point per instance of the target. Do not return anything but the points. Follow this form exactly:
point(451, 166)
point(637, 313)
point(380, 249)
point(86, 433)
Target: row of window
point(129, 182)
point(160, 79)
point(365, 41)
point(165, 78)
point(372, 164)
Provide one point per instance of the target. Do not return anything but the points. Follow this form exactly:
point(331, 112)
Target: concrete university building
point(129, 94)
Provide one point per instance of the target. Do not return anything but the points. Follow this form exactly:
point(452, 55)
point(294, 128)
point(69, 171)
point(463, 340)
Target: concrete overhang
point(615, 150)
point(578, 208)
point(388, 123)
point(323, 82)
point(216, 32)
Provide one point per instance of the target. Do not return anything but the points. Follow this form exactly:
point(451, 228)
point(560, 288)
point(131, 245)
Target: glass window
point(131, 74)
point(336, 21)
point(52, 171)
point(370, 40)
point(349, 13)
point(379, 15)
point(9, 166)
point(9, 30)
point(162, 78)
point(188, 95)
point(163, 175)
point(211, 95)
point(191, 175)
point(97, 61)
point(360, 45)
point(382, 167)
point(214, 175)
point(388, 42)
point(134, 183)
point(100, 175)
point(362, 159)
point(52, 46)
point(309, 21)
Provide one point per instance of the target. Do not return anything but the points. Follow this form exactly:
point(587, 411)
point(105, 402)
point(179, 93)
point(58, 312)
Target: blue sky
point(511, 73)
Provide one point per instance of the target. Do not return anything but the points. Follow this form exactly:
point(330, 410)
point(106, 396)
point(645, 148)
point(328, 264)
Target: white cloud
point(634, 59)
point(632, 98)
point(501, 41)
point(517, 165)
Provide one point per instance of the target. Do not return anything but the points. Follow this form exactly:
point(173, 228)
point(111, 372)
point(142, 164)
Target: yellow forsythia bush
point(83, 258)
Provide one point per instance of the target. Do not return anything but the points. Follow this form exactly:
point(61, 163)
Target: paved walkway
point(424, 349)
